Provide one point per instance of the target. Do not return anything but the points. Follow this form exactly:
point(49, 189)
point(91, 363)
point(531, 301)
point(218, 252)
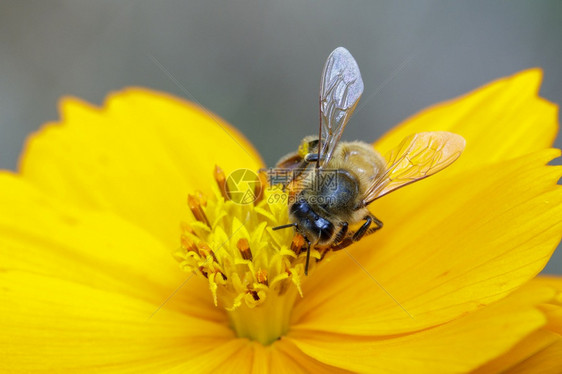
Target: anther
point(188, 243)
point(205, 250)
point(185, 228)
point(203, 271)
point(201, 197)
point(195, 206)
point(221, 182)
point(254, 295)
point(244, 248)
point(261, 276)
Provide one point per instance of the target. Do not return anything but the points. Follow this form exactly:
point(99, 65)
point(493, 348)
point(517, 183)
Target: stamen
point(197, 210)
point(254, 295)
point(201, 197)
point(244, 248)
point(185, 228)
point(261, 276)
point(205, 250)
point(188, 243)
point(203, 271)
point(220, 177)
point(254, 272)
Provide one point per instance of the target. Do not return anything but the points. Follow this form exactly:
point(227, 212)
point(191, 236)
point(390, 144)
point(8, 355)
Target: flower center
point(254, 273)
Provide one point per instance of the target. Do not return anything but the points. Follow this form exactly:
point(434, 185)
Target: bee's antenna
point(307, 257)
point(319, 131)
point(285, 226)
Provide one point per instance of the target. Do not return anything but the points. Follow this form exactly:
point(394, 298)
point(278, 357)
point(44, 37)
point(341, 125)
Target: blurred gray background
point(257, 63)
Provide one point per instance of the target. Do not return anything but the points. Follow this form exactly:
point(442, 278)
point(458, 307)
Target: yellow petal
point(553, 309)
point(540, 352)
point(42, 235)
point(472, 240)
point(244, 356)
point(287, 359)
point(261, 362)
point(458, 346)
point(530, 346)
point(138, 156)
point(504, 119)
point(547, 361)
point(234, 356)
point(53, 325)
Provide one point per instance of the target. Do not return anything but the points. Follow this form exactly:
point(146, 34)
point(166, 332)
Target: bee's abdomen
point(316, 228)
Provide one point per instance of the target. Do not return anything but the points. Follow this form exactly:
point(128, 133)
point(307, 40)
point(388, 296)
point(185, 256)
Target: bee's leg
point(347, 241)
point(366, 228)
point(340, 236)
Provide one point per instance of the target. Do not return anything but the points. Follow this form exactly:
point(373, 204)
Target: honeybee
point(332, 182)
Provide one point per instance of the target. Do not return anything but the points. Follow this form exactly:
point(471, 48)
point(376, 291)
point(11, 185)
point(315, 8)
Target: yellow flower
point(87, 227)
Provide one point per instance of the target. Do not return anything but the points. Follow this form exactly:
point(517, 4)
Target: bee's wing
point(417, 157)
point(341, 87)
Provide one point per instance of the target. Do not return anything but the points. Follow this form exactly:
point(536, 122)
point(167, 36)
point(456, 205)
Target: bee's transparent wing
point(340, 89)
point(417, 157)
